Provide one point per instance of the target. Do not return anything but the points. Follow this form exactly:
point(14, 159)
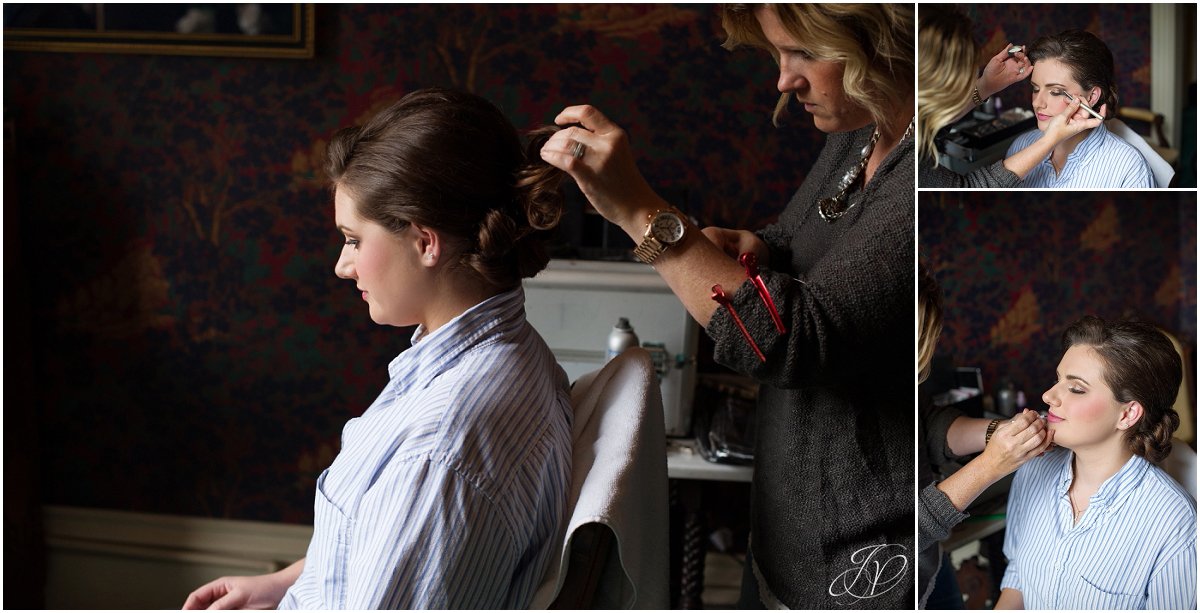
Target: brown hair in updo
point(1139, 364)
point(1089, 60)
point(452, 161)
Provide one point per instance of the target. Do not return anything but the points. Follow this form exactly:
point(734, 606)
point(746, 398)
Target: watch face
point(667, 227)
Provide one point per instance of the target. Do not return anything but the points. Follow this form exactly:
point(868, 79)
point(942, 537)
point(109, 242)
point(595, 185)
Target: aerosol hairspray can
point(621, 338)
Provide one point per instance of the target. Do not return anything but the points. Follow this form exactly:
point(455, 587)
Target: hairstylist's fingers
point(587, 116)
point(1003, 54)
point(1046, 444)
point(1024, 417)
point(1023, 421)
point(1029, 445)
point(1083, 119)
point(560, 149)
point(1025, 434)
point(728, 241)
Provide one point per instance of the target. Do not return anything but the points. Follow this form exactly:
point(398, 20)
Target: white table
point(684, 462)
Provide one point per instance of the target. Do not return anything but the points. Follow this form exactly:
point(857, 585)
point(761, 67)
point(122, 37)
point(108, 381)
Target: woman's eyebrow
point(1055, 84)
point(1078, 378)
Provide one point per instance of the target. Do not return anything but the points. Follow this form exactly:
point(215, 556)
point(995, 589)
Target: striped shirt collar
point(432, 353)
point(1115, 489)
point(1083, 153)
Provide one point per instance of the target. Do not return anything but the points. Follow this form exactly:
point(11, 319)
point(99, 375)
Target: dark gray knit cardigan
point(834, 464)
point(929, 174)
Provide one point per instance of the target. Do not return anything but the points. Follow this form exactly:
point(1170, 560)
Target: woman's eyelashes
point(1053, 92)
point(1074, 389)
point(353, 242)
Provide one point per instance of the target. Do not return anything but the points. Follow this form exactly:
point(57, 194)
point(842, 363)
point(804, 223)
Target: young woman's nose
point(344, 268)
point(1050, 397)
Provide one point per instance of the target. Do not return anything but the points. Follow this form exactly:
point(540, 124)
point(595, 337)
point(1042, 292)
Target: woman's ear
point(427, 243)
point(1130, 415)
point(1094, 97)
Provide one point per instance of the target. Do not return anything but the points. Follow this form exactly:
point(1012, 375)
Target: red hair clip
point(750, 262)
point(722, 299)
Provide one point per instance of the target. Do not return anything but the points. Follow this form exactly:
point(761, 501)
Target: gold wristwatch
point(666, 229)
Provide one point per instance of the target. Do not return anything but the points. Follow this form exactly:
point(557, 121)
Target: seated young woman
point(1077, 65)
point(450, 490)
point(950, 85)
point(1095, 523)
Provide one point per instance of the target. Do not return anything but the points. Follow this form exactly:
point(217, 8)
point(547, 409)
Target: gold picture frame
point(275, 31)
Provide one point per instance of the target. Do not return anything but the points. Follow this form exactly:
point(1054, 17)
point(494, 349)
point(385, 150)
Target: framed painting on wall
point(235, 30)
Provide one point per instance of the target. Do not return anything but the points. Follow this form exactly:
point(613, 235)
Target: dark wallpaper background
point(1017, 268)
point(181, 344)
point(1125, 28)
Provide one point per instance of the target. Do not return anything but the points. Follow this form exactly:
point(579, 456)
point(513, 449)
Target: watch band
point(649, 250)
point(975, 97)
point(991, 429)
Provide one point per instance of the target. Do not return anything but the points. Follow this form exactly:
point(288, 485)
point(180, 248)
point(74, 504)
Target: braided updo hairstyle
point(1087, 57)
point(452, 161)
point(1140, 364)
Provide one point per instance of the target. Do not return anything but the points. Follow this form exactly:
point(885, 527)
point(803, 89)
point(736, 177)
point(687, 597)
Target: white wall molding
point(104, 559)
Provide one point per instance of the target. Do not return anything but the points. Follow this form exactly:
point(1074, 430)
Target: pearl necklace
point(831, 209)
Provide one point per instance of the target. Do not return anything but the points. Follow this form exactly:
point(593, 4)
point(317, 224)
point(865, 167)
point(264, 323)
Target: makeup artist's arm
point(854, 297)
point(1070, 122)
point(1013, 444)
point(966, 435)
point(1001, 71)
point(618, 191)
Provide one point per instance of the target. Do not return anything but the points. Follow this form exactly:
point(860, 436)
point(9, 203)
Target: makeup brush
point(1083, 105)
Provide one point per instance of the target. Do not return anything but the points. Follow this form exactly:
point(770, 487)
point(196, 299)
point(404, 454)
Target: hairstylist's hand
point(736, 242)
point(605, 172)
point(258, 592)
point(1072, 121)
point(1016, 442)
point(1003, 70)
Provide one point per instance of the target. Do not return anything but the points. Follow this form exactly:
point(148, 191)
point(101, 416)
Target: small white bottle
point(621, 338)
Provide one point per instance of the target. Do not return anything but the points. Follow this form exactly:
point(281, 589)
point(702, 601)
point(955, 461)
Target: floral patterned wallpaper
point(189, 348)
point(1017, 268)
point(1125, 28)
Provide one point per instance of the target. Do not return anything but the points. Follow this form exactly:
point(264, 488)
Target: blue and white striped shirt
point(450, 490)
point(1101, 160)
point(1134, 547)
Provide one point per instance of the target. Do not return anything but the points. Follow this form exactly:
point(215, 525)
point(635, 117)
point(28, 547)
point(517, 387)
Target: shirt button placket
point(1058, 570)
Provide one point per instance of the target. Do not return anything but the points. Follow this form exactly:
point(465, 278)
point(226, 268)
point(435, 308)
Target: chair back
point(1181, 465)
point(1163, 172)
point(614, 549)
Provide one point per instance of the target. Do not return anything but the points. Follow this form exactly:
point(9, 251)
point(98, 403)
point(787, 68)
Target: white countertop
point(684, 462)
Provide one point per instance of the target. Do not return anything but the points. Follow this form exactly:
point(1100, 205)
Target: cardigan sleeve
point(837, 313)
point(993, 175)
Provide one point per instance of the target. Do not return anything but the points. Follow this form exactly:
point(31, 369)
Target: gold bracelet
point(975, 96)
point(991, 429)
